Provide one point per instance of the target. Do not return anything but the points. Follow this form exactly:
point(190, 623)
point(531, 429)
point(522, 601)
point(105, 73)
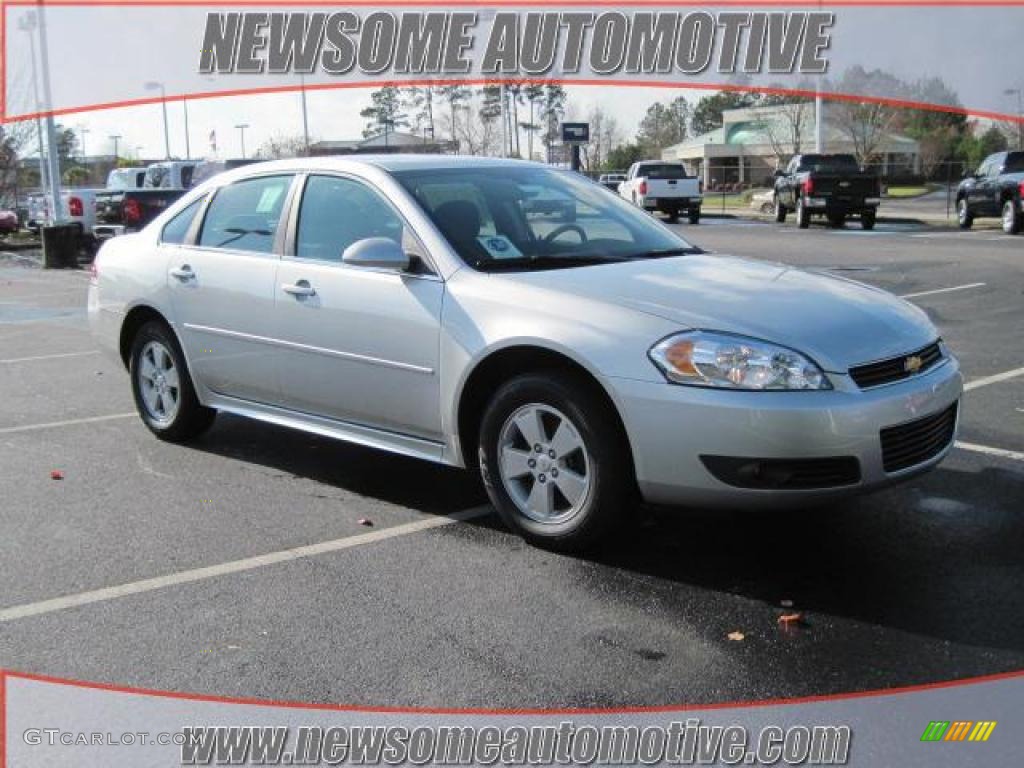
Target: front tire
point(780, 211)
point(553, 462)
point(162, 387)
point(1012, 222)
point(964, 218)
point(803, 215)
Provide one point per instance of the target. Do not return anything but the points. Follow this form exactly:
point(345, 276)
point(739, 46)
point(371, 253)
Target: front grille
point(911, 444)
point(784, 474)
point(896, 368)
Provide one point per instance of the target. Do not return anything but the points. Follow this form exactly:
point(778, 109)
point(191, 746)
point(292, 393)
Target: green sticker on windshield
point(499, 247)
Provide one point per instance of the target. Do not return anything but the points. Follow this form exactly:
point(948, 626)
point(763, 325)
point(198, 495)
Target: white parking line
point(235, 566)
point(12, 360)
point(989, 451)
point(943, 290)
point(1006, 376)
point(66, 423)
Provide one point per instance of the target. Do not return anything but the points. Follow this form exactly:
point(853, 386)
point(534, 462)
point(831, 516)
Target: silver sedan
point(524, 322)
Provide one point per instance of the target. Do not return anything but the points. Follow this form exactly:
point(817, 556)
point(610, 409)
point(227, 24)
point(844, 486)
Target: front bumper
point(670, 427)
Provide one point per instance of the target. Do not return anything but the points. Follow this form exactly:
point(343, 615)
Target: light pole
point(305, 114)
point(116, 138)
point(153, 85)
point(27, 24)
point(241, 132)
point(188, 145)
point(82, 131)
point(1019, 92)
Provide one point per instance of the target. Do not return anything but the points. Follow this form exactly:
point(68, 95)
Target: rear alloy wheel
point(1011, 217)
point(867, 220)
point(557, 472)
point(963, 214)
point(162, 388)
point(780, 211)
point(803, 215)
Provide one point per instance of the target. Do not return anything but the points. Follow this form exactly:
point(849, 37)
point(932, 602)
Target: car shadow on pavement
point(940, 557)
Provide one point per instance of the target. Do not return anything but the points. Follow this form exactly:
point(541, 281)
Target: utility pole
point(305, 114)
point(1020, 113)
point(188, 144)
point(153, 86)
point(27, 24)
point(504, 121)
point(116, 137)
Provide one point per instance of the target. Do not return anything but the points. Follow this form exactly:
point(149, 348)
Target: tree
point(623, 156)
point(76, 175)
point(15, 138)
point(552, 109)
point(786, 124)
point(707, 115)
point(534, 95)
point(867, 124)
point(939, 134)
point(454, 96)
point(282, 146)
point(663, 125)
point(974, 149)
point(604, 136)
point(420, 99)
point(385, 111)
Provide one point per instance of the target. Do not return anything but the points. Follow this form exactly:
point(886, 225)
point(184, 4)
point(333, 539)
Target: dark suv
point(995, 189)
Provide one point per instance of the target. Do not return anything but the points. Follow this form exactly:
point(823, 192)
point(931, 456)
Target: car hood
point(838, 322)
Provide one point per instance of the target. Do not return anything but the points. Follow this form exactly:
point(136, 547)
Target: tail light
point(75, 207)
point(809, 186)
point(642, 189)
point(1022, 190)
point(131, 212)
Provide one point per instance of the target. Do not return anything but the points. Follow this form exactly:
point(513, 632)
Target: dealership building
point(753, 142)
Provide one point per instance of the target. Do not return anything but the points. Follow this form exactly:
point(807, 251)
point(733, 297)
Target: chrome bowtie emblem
point(913, 364)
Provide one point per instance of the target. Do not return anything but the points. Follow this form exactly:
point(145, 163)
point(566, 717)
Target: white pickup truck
point(656, 185)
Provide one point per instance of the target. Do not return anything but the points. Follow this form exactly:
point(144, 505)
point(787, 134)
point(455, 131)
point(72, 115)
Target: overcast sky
point(332, 115)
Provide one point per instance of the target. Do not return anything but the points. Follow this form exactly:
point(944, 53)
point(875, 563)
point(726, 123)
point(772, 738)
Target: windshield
point(533, 217)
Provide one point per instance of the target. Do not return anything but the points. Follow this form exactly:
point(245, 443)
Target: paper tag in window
point(499, 247)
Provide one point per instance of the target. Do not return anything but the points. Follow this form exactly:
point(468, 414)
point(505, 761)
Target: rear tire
point(162, 387)
point(803, 215)
point(867, 220)
point(694, 216)
point(571, 493)
point(964, 217)
point(837, 221)
point(1012, 219)
point(673, 216)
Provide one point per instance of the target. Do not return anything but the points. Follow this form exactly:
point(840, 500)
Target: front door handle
point(183, 273)
point(300, 289)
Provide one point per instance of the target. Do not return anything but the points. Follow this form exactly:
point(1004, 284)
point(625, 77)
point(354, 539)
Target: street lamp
point(241, 132)
point(1019, 92)
point(116, 138)
point(82, 131)
point(188, 145)
point(153, 85)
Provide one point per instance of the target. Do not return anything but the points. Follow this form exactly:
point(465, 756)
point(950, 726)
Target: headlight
point(707, 359)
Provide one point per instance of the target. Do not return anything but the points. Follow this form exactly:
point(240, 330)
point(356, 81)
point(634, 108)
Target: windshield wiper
point(665, 252)
point(545, 262)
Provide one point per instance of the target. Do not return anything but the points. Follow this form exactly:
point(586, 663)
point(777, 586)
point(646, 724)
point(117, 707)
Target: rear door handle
point(299, 289)
point(183, 273)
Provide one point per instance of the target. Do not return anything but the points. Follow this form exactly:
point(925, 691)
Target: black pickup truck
point(833, 186)
point(995, 189)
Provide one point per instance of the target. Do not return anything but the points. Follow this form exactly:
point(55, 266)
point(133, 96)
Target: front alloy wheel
point(554, 460)
point(963, 214)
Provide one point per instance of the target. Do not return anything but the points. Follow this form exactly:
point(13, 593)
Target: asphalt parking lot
point(918, 584)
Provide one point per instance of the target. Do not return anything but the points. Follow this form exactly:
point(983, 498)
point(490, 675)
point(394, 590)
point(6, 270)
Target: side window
point(337, 212)
point(177, 228)
point(244, 216)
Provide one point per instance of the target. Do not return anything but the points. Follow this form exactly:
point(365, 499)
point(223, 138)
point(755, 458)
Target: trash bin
point(61, 244)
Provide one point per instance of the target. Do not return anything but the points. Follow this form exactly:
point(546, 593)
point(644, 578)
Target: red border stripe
point(900, 691)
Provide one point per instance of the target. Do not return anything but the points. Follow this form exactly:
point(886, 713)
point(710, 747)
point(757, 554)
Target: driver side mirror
point(376, 252)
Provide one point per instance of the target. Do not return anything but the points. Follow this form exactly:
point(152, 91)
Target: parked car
point(77, 206)
point(995, 189)
point(611, 180)
point(833, 186)
point(410, 303)
point(763, 202)
point(655, 185)
point(8, 221)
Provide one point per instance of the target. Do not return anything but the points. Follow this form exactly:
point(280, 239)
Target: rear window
point(829, 163)
point(1015, 162)
point(663, 171)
